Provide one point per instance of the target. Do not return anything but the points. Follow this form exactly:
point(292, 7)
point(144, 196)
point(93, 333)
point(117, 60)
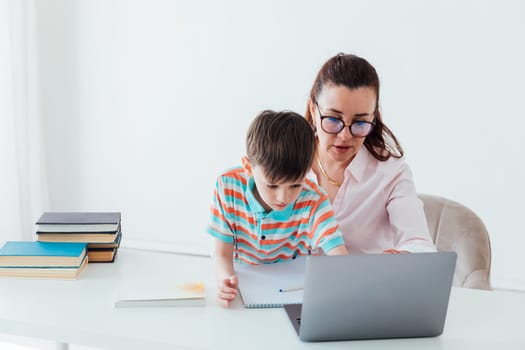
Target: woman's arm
point(406, 215)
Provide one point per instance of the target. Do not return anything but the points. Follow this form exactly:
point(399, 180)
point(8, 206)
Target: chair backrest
point(454, 227)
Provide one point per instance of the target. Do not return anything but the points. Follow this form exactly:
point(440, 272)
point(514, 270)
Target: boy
point(267, 211)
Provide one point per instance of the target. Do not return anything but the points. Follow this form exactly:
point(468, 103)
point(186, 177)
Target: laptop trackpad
point(294, 313)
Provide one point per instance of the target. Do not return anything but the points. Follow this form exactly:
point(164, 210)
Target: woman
point(360, 162)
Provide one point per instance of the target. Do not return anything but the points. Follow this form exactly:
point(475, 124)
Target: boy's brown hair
point(283, 143)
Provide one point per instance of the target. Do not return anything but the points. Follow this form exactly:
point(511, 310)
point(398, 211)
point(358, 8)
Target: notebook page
point(260, 285)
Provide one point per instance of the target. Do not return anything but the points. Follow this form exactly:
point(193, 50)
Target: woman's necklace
point(330, 180)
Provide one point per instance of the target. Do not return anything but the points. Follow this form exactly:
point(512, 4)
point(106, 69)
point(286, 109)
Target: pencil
point(290, 289)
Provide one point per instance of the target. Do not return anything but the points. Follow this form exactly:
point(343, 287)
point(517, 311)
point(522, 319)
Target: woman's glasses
point(334, 125)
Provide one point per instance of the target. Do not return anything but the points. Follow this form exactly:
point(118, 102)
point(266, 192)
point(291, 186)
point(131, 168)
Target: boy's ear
point(246, 164)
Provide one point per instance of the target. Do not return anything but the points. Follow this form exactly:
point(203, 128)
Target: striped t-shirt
point(261, 237)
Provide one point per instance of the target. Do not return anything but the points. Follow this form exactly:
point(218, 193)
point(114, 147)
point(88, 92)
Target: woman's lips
point(341, 148)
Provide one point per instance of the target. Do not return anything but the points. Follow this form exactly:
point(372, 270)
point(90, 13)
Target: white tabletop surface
point(82, 312)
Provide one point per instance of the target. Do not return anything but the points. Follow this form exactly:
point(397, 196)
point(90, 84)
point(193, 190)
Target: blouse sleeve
point(407, 218)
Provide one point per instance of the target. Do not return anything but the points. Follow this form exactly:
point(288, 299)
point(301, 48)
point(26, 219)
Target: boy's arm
point(227, 281)
point(325, 231)
point(341, 250)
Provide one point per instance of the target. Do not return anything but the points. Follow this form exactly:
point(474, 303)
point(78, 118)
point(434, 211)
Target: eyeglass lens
point(336, 125)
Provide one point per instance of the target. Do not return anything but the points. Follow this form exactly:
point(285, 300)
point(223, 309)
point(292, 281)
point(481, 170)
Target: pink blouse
point(377, 207)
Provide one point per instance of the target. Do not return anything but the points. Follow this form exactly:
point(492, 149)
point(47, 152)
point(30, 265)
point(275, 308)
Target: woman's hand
point(395, 251)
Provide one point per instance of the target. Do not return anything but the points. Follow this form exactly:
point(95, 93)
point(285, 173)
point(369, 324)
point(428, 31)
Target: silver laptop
point(371, 296)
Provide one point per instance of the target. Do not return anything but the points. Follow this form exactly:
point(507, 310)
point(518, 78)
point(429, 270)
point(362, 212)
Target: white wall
point(146, 101)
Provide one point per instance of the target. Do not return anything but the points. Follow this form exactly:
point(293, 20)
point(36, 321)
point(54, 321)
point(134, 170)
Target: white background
point(145, 102)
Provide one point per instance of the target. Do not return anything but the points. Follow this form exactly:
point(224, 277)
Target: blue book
point(42, 254)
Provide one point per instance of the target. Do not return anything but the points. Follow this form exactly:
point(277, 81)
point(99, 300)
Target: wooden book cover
point(45, 254)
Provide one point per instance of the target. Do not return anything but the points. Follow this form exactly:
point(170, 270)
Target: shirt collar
point(254, 204)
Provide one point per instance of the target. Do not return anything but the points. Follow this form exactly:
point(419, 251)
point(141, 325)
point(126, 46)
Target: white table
point(82, 312)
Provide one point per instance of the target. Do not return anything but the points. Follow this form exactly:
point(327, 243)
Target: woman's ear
point(311, 109)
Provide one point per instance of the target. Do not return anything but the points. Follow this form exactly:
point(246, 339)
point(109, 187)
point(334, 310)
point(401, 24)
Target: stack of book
point(101, 231)
point(42, 259)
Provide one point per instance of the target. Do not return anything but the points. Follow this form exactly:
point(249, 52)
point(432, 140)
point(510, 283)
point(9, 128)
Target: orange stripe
point(236, 194)
point(280, 256)
point(297, 236)
point(330, 231)
point(239, 213)
point(249, 253)
point(236, 174)
point(315, 187)
point(321, 219)
point(288, 224)
point(245, 231)
point(302, 204)
point(293, 246)
point(218, 214)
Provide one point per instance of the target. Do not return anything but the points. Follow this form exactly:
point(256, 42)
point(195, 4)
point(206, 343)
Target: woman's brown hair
point(354, 72)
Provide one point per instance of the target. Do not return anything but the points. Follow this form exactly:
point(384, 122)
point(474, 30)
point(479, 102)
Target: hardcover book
point(44, 272)
point(79, 222)
point(93, 237)
point(43, 254)
point(101, 254)
point(114, 244)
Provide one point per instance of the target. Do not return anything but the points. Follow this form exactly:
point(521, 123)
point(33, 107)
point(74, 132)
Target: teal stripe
point(284, 250)
point(329, 244)
point(273, 257)
point(217, 221)
point(309, 197)
point(219, 235)
point(233, 201)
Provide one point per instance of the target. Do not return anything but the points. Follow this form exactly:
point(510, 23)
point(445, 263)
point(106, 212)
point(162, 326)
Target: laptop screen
point(370, 296)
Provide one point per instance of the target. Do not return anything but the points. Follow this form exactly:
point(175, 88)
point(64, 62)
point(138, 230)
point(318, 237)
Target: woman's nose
point(345, 133)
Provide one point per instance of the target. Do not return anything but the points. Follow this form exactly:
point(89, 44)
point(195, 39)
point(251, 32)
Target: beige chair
point(454, 227)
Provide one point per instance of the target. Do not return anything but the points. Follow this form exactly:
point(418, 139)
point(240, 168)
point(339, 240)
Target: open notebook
point(271, 285)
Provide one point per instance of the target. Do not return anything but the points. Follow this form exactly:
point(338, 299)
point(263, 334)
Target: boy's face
point(275, 196)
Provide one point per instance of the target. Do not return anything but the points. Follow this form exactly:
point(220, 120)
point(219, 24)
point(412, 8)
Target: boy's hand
point(227, 290)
